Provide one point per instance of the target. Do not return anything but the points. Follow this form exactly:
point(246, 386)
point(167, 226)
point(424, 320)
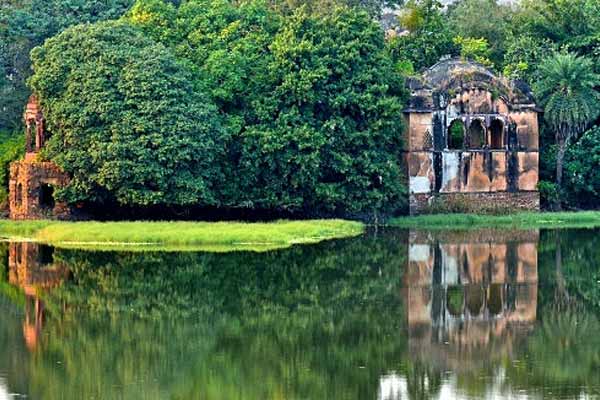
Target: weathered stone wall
point(484, 202)
point(27, 179)
point(494, 147)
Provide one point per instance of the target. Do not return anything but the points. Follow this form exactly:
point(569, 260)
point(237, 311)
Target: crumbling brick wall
point(28, 181)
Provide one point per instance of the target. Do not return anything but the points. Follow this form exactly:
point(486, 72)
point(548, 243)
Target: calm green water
point(391, 315)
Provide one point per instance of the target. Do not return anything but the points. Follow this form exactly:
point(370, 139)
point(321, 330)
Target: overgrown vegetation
point(11, 149)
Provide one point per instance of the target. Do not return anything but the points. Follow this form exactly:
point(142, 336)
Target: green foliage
point(26, 24)
point(474, 49)
point(482, 19)
point(429, 37)
point(550, 194)
point(524, 54)
point(373, 7)
point(456, 135)
point(127, 123)
point(571, 24)
point(11, 149)
point(566, 89)
point(313, 103)
point(582, 177)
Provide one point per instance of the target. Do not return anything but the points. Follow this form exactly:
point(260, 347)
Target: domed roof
point(454, 75)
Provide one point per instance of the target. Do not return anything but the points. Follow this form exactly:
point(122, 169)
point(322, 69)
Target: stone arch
point(456, 135)
point(495, 300)
point(475, 300)
point(476, 134)
point(497, 134)
point(455, 298)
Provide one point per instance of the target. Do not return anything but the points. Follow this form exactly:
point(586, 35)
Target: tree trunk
point(560, 157)
point(562, 299)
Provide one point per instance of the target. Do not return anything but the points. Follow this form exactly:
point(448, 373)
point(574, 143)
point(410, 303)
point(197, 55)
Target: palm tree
point(571, 104)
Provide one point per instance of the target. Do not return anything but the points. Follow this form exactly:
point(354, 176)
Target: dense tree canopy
point(26, 24)
point(127, 122)
point(310, 106)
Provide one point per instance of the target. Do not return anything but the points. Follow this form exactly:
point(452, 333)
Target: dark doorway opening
point(497, 134)
point(476, 135)
point(46, 255)
point(19, 195)
point(47, 196)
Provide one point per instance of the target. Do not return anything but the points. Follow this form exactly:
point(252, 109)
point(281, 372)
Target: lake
point(393, 314)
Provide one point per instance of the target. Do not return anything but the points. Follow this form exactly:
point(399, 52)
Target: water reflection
point(31, 267)
point(398, 315)
point(469, 296)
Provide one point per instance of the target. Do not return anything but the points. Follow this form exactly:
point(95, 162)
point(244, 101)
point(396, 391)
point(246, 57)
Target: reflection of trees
point(562, 356)
point(574, 255)
point(297, 323)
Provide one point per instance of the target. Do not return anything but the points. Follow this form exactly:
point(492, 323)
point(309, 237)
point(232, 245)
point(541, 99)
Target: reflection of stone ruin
point(32, 182)
point(32, 268)
point(472, 141)
point(469, 297)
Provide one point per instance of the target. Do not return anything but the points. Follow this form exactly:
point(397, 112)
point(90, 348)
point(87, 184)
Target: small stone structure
point(471, 142)
point(32, 182)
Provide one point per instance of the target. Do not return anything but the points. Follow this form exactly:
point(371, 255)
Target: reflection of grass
point(215, 236)
point(520, 220)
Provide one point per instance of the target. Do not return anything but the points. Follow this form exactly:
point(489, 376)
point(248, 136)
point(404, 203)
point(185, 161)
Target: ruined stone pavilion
point(471, 142)
point(32, 182)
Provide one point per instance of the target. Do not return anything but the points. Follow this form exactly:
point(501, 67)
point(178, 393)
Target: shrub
point(11, 148)
point(582, 176)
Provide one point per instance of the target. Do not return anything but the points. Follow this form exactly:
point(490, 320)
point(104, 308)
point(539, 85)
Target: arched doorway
point(497, 134)
point(476, 134)
point(456, 135)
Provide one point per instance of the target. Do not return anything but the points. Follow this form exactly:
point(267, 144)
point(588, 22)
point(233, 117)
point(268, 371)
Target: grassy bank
point(584, 219)
point(216, 236)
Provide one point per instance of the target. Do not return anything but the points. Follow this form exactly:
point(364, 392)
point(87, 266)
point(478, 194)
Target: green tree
point(373, 7)
point(429, 36)
point(566, 90)
point(523, 56)
point(312, 102)
point(26, 24)
point(474, 49)
point(11, 148)
point(485, 19)
point(582, 177)
point(126, 121)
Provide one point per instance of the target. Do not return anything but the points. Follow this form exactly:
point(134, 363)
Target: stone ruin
point(471, 141)
point(32, 182)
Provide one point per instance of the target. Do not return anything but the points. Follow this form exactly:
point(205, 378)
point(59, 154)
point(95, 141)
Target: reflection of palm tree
point(565, 348)
point(423, 383)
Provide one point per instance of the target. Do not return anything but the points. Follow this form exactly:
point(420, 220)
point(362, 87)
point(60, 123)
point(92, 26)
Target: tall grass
point(180, 234)
point(583, 219)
